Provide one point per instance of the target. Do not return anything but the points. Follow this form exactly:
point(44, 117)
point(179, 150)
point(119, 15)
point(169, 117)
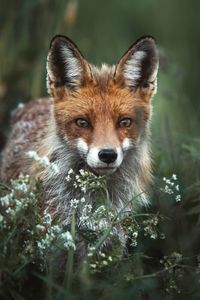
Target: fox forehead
point(96, 104)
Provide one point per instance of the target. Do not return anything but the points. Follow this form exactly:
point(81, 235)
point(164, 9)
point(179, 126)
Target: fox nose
point(107, 155)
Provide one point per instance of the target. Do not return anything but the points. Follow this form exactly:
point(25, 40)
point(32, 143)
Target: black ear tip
point(59, 38)
point(147, 39)
point(148, 44)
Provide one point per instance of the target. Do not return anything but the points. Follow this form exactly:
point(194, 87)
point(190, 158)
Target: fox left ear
point(66, 66)
point(139, 65)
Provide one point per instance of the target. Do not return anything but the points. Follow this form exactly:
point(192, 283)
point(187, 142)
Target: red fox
point(97, 119)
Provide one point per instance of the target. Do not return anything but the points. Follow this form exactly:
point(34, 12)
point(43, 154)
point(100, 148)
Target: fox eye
point(82, 123)
point(126, 122)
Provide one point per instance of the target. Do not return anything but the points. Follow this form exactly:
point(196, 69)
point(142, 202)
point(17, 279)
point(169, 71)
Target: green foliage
point(28, 237)
point(156, 261)
point(163, 268)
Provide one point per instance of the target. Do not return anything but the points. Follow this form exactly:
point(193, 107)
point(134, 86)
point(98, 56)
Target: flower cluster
point(53, 236)
point(17, 199)
point(85, 180)
point(172, 187)
point(131, 229)
point(98, 261)
point(94, 216)
point(172, 265)
point(151, 227)
point(104, 229)
point(43, 162)
point(26, 232)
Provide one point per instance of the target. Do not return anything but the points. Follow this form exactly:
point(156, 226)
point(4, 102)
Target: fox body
point(97, 119)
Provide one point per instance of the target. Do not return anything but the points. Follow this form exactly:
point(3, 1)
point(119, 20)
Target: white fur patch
point(49, 75)
point(93, 158)
point(154, 74)
point(133, 66)
point(72, 64)
point(153, 79)
point(82, 146)
point(126, 144)
point(49, 72)
point(119, 156)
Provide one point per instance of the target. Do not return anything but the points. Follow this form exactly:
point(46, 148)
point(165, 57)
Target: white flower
point(135, 234)
point(19, 205)
point(168, 190)
point(74, 203)
point(40, 227)
point(91, 248)
point(47, 219)
point(42, 161)
point(90, 254)
point(20, 186)
point(93, 266)
point(82, 200)
point(68, 241)
point(56, 229)
point(5, 201)
point(102, 254)
point(68, 178)
point(32, 154)
point(83, 219)
point(174, 177)
point(153, 236)
point(20, 105)
point(88, 207)
point(70, 171)
point(83, 189)
point(178, 198)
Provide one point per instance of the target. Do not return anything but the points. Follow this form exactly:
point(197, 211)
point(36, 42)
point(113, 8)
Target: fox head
point(103, 114)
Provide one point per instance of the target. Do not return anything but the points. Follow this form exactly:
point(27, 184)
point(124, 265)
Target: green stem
point(152, 275)
point(107, 232)
point(70, 258)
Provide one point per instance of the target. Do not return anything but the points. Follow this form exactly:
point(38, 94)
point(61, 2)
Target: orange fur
point(102, 98)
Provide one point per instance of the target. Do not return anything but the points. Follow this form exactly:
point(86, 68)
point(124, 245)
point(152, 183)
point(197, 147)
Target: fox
point(97, 119)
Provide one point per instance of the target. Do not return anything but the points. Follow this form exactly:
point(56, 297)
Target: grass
point(162, 258)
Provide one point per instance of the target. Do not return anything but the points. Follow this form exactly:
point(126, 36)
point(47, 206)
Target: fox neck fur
point(128, 182)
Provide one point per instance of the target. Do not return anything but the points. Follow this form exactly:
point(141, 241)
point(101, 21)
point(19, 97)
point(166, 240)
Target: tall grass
point(163, 268)
point(86, 260)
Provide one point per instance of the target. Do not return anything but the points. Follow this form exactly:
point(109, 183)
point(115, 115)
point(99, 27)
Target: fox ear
point(66, 66)
point(139, 65)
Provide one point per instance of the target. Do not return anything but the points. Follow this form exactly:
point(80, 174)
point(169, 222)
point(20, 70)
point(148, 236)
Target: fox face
point(103, 114)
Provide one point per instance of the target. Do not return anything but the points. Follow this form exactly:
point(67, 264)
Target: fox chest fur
point(97, 119)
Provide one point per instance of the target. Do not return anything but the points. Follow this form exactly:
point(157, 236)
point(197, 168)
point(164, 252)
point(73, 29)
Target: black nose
point(107, 155)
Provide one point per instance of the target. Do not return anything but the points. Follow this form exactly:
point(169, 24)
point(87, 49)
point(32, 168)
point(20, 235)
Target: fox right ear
point(66, 66)
point(138, 67)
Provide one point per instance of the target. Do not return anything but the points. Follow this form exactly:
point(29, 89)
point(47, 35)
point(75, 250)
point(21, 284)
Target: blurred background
point(103, 30)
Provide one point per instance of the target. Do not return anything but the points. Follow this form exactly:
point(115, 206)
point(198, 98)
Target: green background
point(103, 30)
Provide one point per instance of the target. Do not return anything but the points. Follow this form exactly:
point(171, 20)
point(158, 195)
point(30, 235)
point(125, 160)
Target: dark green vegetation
point(155, 269)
